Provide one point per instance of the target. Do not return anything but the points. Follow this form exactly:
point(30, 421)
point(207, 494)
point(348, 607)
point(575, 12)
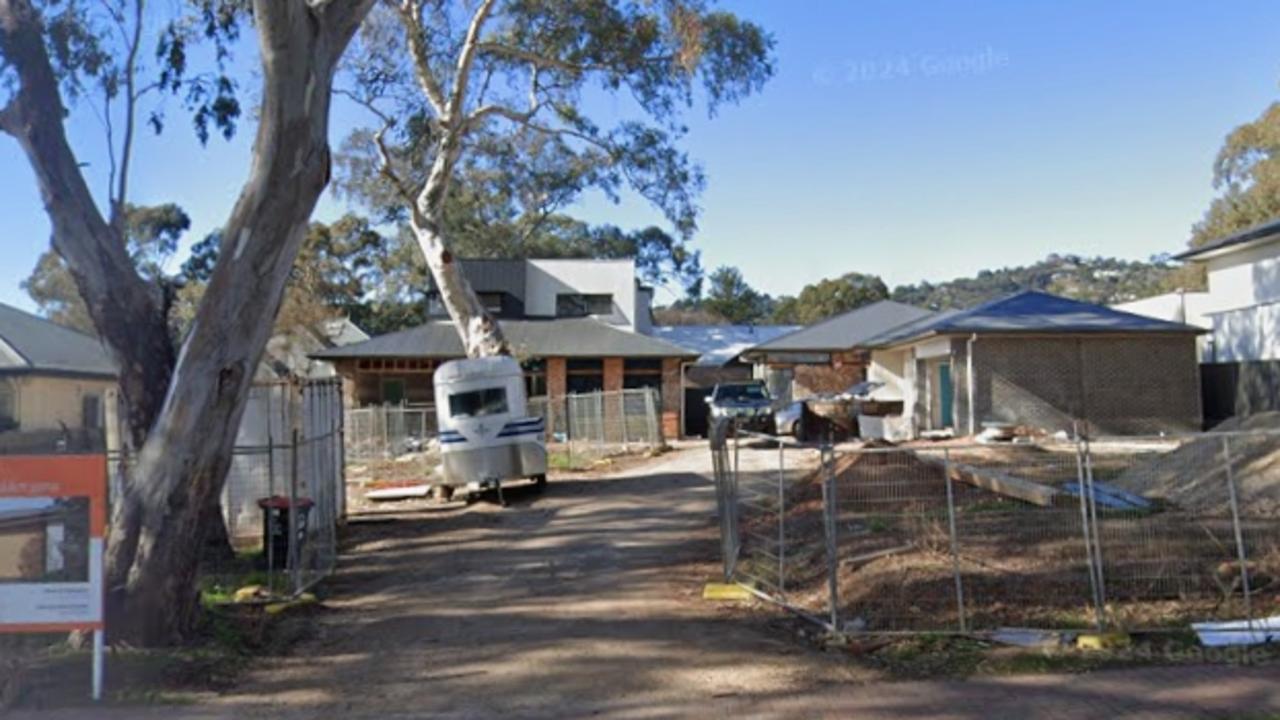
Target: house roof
point(563, 337)
point(31, 344)
point(1029, 312)
point(846, 331)
point(720, 344)
point(1256, 235)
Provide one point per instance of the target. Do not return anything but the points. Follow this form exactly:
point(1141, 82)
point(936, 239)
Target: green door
point(946, 394)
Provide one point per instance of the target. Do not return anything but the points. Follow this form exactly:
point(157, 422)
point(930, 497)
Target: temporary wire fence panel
point(583, 428)
point(1080, 534)
point(387, 432)
point(289, 448)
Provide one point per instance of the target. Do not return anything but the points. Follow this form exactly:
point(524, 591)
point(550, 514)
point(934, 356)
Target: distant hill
point(1098, 279)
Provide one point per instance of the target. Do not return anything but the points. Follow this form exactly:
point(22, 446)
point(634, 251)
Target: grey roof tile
point(1030, 312)
point(846, 331)
point(39, 345)
point(565, 337)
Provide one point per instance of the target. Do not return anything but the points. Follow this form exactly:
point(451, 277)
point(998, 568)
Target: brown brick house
point(577, 325)
point(828, 356)
point(560, 356)
point(1043, 361)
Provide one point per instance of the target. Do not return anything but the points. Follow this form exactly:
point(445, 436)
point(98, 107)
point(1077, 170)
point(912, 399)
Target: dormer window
point(583, 305)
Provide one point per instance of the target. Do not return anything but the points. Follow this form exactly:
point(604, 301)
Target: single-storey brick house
point(1043, 361)
point(828, 356)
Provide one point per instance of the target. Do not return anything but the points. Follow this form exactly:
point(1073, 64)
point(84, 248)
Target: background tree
point(495, 94)
point(151, 236)
point(828, 298)
point(729, 296)
point(1093, 279)
point(1246, 175)
point(183, 408)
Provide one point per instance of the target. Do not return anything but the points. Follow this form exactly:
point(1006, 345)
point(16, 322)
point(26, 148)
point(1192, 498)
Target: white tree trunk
point(156, 535)
point(481, 335)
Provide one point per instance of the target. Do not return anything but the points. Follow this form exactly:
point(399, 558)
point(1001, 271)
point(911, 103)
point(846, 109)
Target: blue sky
point(914, 140)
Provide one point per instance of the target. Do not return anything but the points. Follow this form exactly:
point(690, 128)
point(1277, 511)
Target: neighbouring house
point(1042, 361)
point(719, 349)
point(828, 356)
point(288, 356)
point(577, 325)
point(1241, 308)
point(54, 383)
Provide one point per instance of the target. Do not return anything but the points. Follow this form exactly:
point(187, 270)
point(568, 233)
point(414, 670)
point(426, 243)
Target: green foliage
point(1097, 280)
point(152, 235)
point(729, 296)
point(531, 150)
point(1247, 177)
point(828, 298)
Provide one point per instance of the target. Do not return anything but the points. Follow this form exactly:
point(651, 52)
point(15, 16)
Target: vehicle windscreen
point(741, 393)
point(478, 403)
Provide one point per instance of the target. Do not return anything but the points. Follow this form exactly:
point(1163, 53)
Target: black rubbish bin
point(275, 527)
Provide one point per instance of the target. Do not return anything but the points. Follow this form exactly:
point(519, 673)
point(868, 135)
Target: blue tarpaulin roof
point(1030, 311)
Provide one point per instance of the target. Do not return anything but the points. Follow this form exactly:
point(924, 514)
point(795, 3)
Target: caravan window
point(478, 403)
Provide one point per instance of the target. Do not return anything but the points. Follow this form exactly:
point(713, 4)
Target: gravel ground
point(584, 602)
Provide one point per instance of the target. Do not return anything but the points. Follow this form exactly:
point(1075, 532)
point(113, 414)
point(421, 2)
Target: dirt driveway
point(584, 602)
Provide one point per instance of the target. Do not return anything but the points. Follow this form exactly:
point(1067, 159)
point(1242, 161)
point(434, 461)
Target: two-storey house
point(577, 325)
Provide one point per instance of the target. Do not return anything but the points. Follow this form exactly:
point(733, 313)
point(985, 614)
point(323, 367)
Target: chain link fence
point(389, 431)
point(284, 495)
point(585, 428)
point(1127, 534)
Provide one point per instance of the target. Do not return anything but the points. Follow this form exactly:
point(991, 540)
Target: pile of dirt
point(1194, 476)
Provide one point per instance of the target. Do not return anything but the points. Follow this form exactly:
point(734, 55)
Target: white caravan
point(486, 433)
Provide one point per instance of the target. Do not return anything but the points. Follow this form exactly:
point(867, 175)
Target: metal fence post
point(293, 513)
point(622, 405)
point(1084, 526)
point(782, 519)
point(271, 521)
point(1241, 553)
point(830, 511)
point(955, 540)
point(1099, 568)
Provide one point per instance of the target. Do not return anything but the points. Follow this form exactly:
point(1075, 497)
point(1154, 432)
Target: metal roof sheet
point(719, 345)
point(1264, 232)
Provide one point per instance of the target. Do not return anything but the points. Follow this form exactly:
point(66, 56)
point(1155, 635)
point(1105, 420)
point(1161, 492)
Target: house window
point(8, 406)
point(492, 302)
point(642, 373)
point(535, 378)
point(91, 411)
point(581, 305)
point(584, 375)
point(392, 391)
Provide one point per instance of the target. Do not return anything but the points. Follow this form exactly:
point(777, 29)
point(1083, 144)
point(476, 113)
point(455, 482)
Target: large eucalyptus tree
point(515, 91)
point(184, 406)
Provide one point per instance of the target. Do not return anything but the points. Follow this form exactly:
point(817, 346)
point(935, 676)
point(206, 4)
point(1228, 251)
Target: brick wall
point(613, 370)
point(1119, 384)
point(557, 377)
point(845, 370)
point(671, 397)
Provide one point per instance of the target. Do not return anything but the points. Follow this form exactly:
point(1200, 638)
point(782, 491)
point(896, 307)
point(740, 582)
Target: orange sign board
point(53, 512)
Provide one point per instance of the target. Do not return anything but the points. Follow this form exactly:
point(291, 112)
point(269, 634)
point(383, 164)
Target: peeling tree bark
point(156, 534)
point(480, 333)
